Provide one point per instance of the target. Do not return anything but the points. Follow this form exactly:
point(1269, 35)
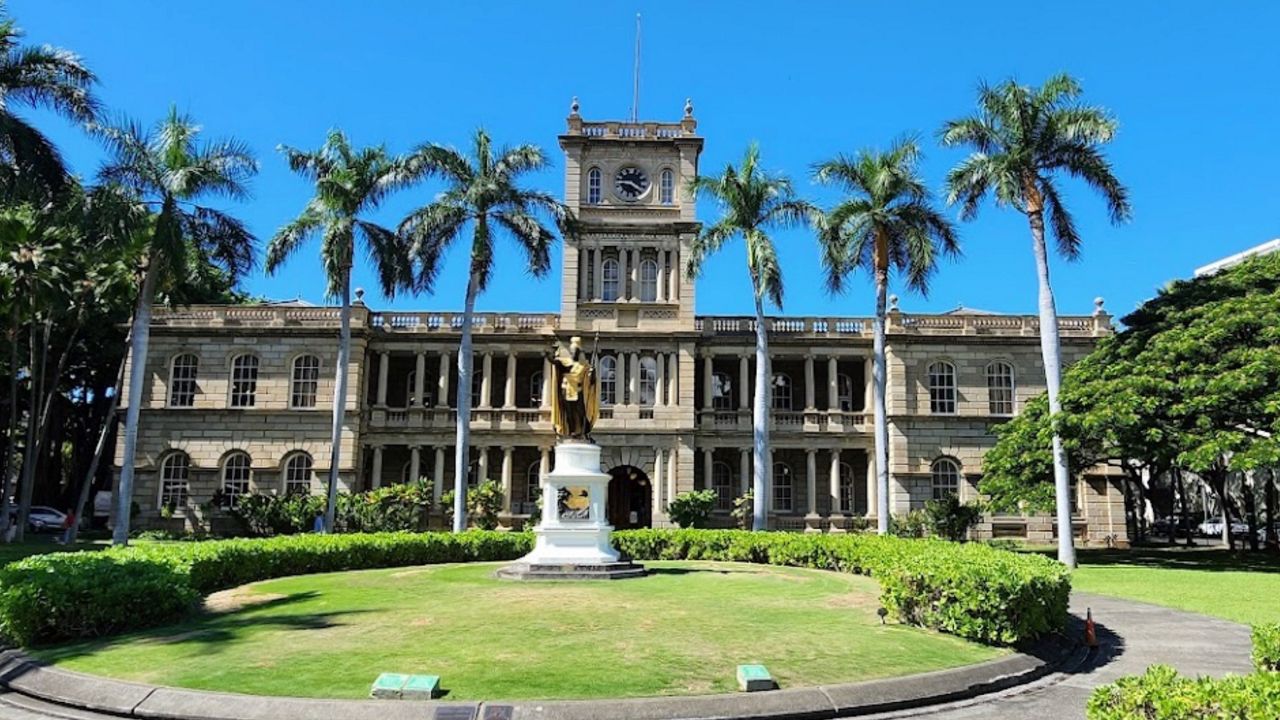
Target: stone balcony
point(786, 421)
point(899, 323)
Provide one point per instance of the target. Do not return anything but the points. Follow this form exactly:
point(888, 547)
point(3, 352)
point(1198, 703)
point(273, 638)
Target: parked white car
point(42, 518)
point(1210, 528)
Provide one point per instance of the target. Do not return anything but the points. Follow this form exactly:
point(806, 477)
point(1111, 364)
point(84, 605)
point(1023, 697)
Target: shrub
point(483, 503)
point(911, 525)
point(743, 510)
point(951, 519)
point(692, 509)
point(1266, 647)
point(1162, 694)
point(972, 591)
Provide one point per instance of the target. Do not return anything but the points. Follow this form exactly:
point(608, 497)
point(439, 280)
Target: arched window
point(298, 474)
point(721, 391)
point(942, 387)
point(610, 274)
point(175, 480)
point(722, 483)
point(237, 471)
point(945, 476)
point(844, 392)
point(783, 490)
point(535, 389)
point(608, 380)
point(848, 485)
point(533, 484)
point(593, 186)
point(667, 187)
point(781, 391)
point(182, 380)
point(306, 380)
point(1000, 388)
point(648, 280)
point(648, 381)
point(244, 381)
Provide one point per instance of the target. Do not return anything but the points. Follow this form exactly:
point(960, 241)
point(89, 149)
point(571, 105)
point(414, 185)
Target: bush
point(743, 510)
point(692, 509)
point(484, 501)
point(950, 519)
point(911, 525)
point(1266, 647)
point(972, 591)
point(1162, 694)
point(391, 508)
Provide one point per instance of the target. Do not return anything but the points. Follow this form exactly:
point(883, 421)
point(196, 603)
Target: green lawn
point(1240, 587)
point(681, 630)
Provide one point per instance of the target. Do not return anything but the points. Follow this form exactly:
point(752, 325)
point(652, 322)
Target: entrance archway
point(630, 498)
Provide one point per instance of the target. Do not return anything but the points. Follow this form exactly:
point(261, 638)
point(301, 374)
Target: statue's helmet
point(575, 341)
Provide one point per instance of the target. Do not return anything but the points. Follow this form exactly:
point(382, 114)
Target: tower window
point(593, 186)
point(611, 275)
point(648, 280)
point(667, 187)
point(648, 381)
point(608, 380)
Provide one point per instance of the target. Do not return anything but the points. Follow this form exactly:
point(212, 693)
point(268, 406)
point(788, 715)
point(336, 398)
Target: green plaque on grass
point(420, 687)
point(388, 685)
point(754, 677)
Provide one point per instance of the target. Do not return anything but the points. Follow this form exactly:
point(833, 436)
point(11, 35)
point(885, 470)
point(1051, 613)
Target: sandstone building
point(238, 398)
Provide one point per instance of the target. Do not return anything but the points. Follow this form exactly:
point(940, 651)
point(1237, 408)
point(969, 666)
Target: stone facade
point(674, 417)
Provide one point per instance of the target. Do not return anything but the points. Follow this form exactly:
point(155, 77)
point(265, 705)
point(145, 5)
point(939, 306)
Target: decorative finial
point(1097, 306)
point(359, 296)
point(893, 303)
point(573, 106)
point(688, 107)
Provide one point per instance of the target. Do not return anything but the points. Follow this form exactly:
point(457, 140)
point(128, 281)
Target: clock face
point(631, 183)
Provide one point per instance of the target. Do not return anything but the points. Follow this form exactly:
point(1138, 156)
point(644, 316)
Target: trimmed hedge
point(1162, 694)
point(973, 591)
point(1266, 647)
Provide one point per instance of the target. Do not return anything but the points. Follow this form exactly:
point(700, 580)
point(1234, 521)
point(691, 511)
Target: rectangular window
point(942, 388)
point(182, 381)
point(1000, 388)
point(244, 381)
point(306, 380)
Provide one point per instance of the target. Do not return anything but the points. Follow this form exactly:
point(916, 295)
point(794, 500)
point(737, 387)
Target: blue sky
point(1195, 88)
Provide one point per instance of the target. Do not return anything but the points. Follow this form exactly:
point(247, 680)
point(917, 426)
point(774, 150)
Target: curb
point(28, 677)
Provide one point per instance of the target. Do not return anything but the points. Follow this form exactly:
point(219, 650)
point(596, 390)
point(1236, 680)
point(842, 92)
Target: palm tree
point(38, 77)
point(482, 194)
point(887, 222)
point(169, 171)
point(349, 183)
point(1022, 138)
point(751, 202)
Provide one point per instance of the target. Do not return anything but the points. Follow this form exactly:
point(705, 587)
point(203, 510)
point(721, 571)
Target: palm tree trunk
point(760, 423)
point(462, 445)
point(1186, 504)
point(35, 428)
point(11, 438)
point(141, 337)
point(1269, 497)
point(339, 403)
point(1051, 350)
point(878, 374)
point(108, 422)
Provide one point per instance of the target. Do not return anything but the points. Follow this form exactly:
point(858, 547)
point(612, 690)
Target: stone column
point(660, 388)
point(384, 366)
point(673, 473)
point(482, 466)
point(835, 483)
point(544, 464)
point(546, 384)
point(809, 395)
point(486, 376)
point(415, 464)
point(833, 384)
point(437, 478)
point(673, 378)
point(375, 482)
point(656, 482)
point(598, 290)
point(673, 293)
point(744, 373)
point(708, 466)
point(872, 490)
point(633, 380)
point(868, 402)
point(744, 469)
point(442, 382)
point(633, 272)
point(420, 380)
point(662, 275)
point(584, 292)
point(706, 382)
point(506, 479)
point(509, 396)
point(811, 479)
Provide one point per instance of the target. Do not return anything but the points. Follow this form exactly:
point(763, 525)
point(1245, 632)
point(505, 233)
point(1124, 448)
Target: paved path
point(1132, 636)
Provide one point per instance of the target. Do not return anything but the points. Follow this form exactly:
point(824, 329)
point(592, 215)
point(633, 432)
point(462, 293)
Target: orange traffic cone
point(1090, 632)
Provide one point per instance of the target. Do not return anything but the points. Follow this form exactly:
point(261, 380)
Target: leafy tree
point(1022, 139)
point(887, 222)
point(349, 183)
point(692, 509)
point(169, 171)
point(38, 77)
point(752, 201)
point(483, 194)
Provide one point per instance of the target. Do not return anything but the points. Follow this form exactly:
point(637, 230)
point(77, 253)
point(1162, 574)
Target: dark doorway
point(629, 498)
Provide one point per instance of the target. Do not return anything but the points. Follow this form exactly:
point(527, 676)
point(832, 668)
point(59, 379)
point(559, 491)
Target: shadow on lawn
point(1183, 559)
point(207, 631)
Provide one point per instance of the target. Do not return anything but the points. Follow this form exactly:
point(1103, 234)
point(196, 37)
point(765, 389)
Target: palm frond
point(705, 244)
point(1061, 222)
point(297, 231)
point(531, 235)
point(390, 257)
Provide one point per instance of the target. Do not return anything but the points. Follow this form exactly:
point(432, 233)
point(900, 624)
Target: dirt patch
point(421, 622)
point(854, 600)
point(227, 601)
point(411, 573)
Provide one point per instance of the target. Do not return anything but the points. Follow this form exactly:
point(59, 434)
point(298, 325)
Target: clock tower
point(625, 181)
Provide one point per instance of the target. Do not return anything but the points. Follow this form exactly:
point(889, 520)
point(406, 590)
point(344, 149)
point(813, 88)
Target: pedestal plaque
point(573, 538)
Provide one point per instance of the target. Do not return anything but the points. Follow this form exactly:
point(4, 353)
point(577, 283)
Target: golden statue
point(575, 406)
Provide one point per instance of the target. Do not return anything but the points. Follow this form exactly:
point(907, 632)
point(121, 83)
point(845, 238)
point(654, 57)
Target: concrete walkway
point(1132, 636)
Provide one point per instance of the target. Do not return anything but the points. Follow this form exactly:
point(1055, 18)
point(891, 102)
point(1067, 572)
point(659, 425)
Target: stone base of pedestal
point(571, 571)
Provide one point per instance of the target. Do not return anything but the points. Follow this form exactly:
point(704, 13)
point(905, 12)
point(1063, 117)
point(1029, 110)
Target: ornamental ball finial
point(573, 106)
point(359, 296)
point(688, 107)
point(1097, 305)
point(893, 302)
